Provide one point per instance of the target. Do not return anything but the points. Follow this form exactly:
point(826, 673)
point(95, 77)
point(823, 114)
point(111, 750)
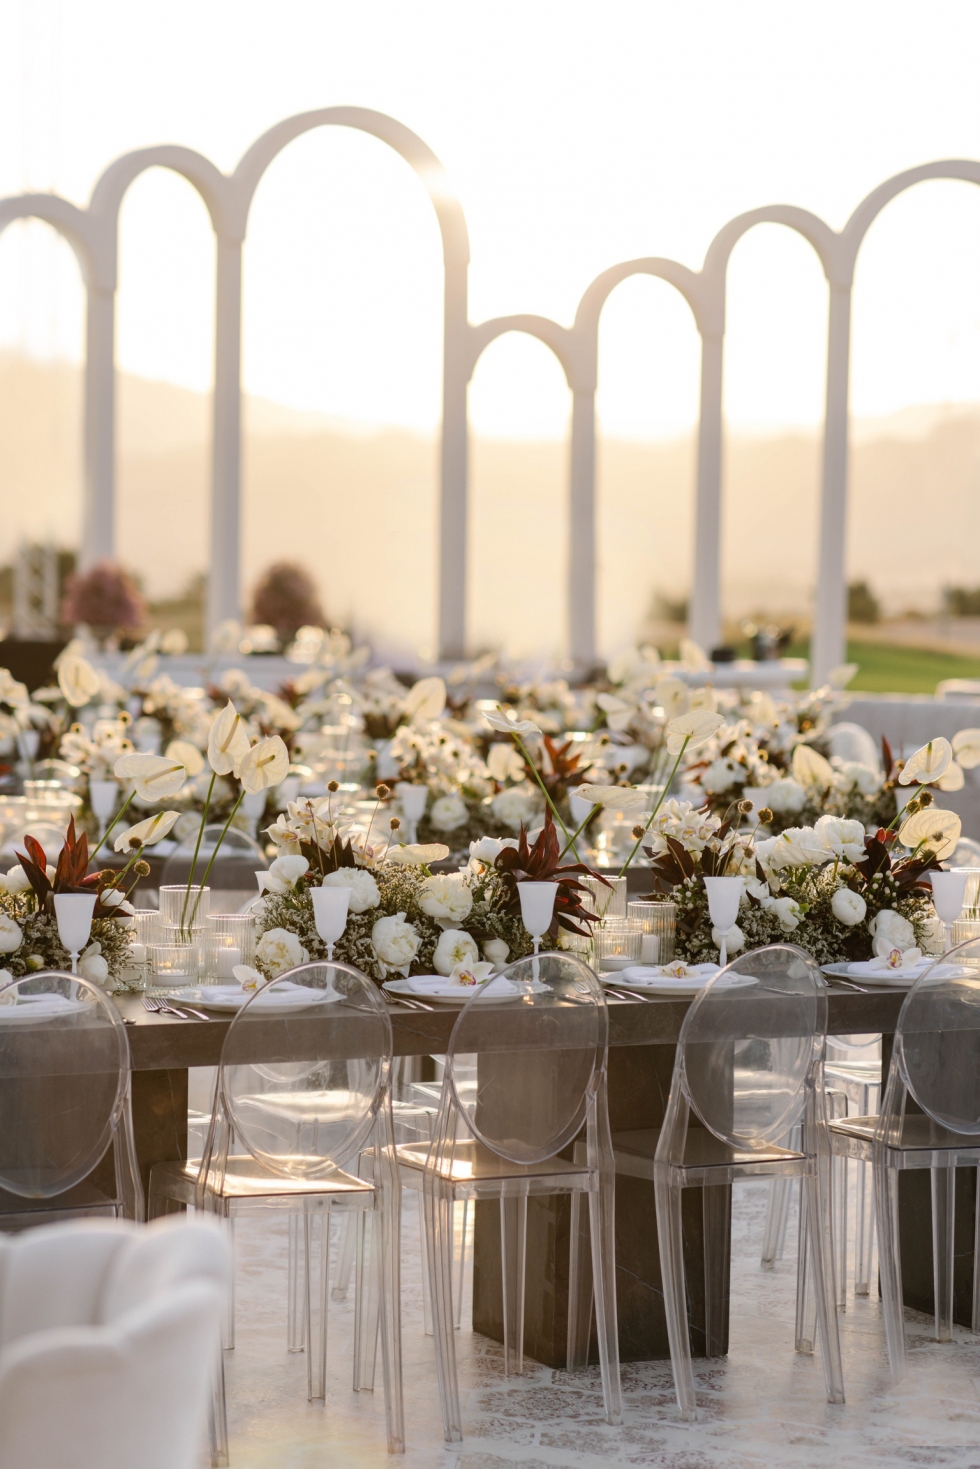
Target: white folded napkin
point(660, 974)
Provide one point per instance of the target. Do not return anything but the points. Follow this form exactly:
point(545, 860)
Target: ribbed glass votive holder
point(229, 940)
point(658, 923)
point(615, 945)
point(607, 902)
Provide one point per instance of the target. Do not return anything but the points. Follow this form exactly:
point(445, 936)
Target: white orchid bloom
point(620, 798)
point(425, 699)
point(146, 833)
point(506, 723)
point(77, 679)
point(227, 741)
point(811, 769)
point(265, 765)
point(187, 755)
point(694, 729)
point(418, 854)
point(928, 764)
point(155, 777)
point(966, 748)
point(938, 830)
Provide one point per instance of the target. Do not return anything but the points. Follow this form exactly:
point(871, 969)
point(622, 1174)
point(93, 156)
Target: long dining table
point(643, 1034)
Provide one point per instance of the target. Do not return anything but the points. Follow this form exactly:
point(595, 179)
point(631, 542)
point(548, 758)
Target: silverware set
point(412, 1004)
point(181, 1012)
point(629, 995)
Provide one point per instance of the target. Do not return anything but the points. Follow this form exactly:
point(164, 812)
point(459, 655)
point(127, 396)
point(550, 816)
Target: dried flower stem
point(197, 849)
point(660, 798)
point(112, 823)
point(570, 840)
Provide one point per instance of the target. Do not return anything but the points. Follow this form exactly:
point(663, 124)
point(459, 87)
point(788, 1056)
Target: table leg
point(159, 1119)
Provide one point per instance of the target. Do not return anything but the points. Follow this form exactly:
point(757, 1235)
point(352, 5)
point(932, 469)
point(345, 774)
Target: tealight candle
point(228, 957)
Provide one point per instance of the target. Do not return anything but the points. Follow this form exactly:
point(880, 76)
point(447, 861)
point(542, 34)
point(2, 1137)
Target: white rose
point(848, 907)
point(92, 966)
point(446, 896)
point(787, 910)
point(11, 936)
point(279, 950)
point(395, 942)
point(364, 892)
point(487, 849)
point(455, 946)
point(284, 874)
point(734, 939)
point(16, 880)
point(513, 807)
point(797, 846)
point(891, 931)
point(448, 813)
point(843, 838)
point(784, 797)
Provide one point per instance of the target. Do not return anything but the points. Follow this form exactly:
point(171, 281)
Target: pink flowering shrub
point(105, 599)
point(286, 599)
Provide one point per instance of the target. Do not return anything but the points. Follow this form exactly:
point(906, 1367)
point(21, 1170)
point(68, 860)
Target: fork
point(410, 1004)
point(163, 1007)
point(628, 995)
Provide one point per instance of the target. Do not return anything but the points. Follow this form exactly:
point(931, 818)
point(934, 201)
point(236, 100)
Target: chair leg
point(346, 1249)
point(228, 1329)
point(427, 1325)
point(671, 1238)
point(461, 1211)
point(602, 1228)
point(295, 1317)
point(837, 1110)
point(438, 1239)
point(820, 1226)
point(864, 1230)
point(975, 1318)
point(367, 1301)
point(218, 1416)
point(716, 1213)
point(777, 1214)
point(890, 1264)
point(579, 1288)
point(513, 1254)
point(316, 1316)
point(943, 1222)
point(806, 1310)
point(387, 1236)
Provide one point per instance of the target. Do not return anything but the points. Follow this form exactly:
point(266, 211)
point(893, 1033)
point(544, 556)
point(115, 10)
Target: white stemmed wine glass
point(74, 914)
point(948, 892)
point(724, 896)
point(330, 907)
point(413, 802)
point(102, 795)
point(537, 911)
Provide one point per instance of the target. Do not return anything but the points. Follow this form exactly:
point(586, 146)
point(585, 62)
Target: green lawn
point(887, 669)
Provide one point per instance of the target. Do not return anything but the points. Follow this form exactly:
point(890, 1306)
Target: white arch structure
point(93, 232)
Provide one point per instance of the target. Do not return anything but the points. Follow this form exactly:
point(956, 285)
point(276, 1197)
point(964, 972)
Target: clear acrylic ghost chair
point(749, 1066)
point(539, 1044)
point(64, 1100)
point(936, 1063)
point(304, 1086)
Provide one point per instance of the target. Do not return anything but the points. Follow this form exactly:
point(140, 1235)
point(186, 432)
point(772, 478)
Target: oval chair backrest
point(937, 1041)
point(304, 1067)
point(526, 1054)
point(748, 1042)
point(64, 1076)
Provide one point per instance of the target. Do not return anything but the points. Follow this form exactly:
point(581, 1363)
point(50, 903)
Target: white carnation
point(395, 942)
point(848, 907)
point(448, 813)
point(364, 892)
point(278, 950)
point(455, 946)
point(446, 896)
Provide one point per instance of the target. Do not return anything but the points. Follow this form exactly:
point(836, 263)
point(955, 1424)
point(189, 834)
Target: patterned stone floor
point(762, 1405)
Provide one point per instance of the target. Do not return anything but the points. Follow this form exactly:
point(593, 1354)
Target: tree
point(286, 599)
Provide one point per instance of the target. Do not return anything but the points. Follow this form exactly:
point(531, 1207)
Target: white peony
point(863, 778)
point(92, 966)
point(448, 813)
point(891, 931)
point(734, 939)
point(784, 797)
point(446, 896)
point(848, 907)
point(843, 838)
point(11, 935)
point(720, 776)
point(364, 892)
point(284, 874)
point(279, 950)
point(787, 910)
point(513, 807)
point(455, 946)
point(496, 950)
point(395, 942)
point(488, 849)
point(797, 846)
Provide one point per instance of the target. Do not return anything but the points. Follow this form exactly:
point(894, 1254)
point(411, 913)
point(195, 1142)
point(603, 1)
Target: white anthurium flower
point(446, 896)
point(695, 728)
point(418, 854)
point(155, 777)
point(506, 723)
point(364, 891)
point(840, 677)
point(455, 948)
point(425, 699)
point(928, 764)
point(966, 748)
point(673, 696)
point(285, 872)
point(618, 713)
point(11, 935)
point(77, 679)
point(265, 765)
point(228, 742)
point(619, 798)
point(848, 907)
point(11, 692)
point(811, 769)
point(842, 837)
point(279, 950)
point(187, 755)
point(938, 830)
point(146, 833)
point(703, 698)
point(953, 780)
point(694, 656)
point(396, 942)
point(504, 762)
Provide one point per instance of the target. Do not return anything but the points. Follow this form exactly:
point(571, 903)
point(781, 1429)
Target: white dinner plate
point(30, 1009)
point(649, 979)
point(437, 989)
point(229, 999)
point(893, 979)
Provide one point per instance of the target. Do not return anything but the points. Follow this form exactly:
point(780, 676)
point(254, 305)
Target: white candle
point(650, 948)
point(227, 959)
point(137, 953)
point(616, 961)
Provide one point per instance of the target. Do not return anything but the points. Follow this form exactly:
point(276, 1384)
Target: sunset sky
point(576, 135)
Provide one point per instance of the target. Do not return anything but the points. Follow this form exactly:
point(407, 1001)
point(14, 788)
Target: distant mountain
point(359, 508)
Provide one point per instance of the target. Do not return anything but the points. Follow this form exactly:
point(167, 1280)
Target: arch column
point(454, 471)
point(98, 540)
point(829, 641)
point(224, 582)
point(704, 619)
point(582, 531)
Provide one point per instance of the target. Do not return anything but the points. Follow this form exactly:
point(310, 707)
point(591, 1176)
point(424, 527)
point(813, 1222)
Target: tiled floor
point(762, 1405)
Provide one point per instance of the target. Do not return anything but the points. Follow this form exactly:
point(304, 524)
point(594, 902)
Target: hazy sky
point(576, 135)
